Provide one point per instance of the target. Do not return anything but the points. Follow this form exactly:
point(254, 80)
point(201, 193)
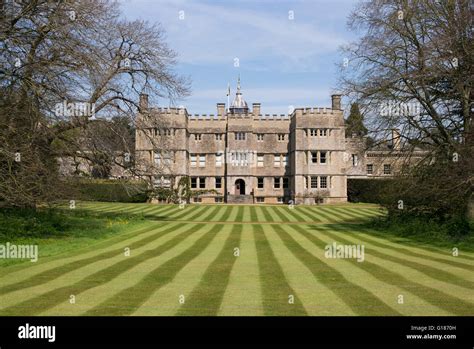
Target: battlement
point(314, 110)
point(169, 110)
point(206, 117)
point(273, 117)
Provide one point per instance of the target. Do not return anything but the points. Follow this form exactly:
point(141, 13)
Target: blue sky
point(282, 62)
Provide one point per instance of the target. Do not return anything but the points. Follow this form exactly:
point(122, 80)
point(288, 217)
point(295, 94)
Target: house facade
point(239, 155)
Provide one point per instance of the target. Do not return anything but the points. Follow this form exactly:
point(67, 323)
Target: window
point(158, 158)
point(276, 182)
point(285, 160)
point(162, 182)
point(370, 169)
point(197, 199)
point(323, 182)
point(260, 199)
point(305, 182)
point(285, 182)
point(260, 182)
point(202, 182)
point(240, 136)
point(164, 158)
point(322, 157)
point(276, 160)
point(218, 182)
point(314, 157)
point(387, 169)
point(259, 137)
point(193, 160)
point(314, 182)
point(197, 136)
point(355, 160)
point(219, 159)
point(166, 132)
point(193, 182)
point(313, 132)
point(202, 160)
point(218, 136)
point(218, 199)
point(281, 137)
point(156, 131)
point(280, 200)
point(259, 160)
point(323, 132)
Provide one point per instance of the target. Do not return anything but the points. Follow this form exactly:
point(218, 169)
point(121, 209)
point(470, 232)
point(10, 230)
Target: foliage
point(107, 190)
point(355, 122)
point(367, 190)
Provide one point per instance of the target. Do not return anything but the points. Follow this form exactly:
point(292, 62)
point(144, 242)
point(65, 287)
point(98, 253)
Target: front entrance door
point(239, 187)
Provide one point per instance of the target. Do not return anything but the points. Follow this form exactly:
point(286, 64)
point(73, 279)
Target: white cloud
point(217, 33)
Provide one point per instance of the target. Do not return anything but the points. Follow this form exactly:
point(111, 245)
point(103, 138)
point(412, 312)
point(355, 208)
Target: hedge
point(109, 190)
point(367, 190)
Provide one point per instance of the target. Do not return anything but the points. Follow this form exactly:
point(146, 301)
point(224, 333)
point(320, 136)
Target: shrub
point(367, 190)
point(108, 190)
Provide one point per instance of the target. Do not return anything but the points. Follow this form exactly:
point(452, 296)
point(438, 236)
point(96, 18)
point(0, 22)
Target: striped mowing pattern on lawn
point(241, 260)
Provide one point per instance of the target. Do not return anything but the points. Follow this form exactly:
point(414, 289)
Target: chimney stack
point(396, 144)
point(256, 109)
point(220, 109)
point(143, 103)
point(336, 102)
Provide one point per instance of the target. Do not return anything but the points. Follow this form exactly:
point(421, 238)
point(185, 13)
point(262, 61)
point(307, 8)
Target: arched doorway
point(239, 187)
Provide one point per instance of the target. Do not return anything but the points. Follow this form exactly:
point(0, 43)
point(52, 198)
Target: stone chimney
point(396, 143)
point(336, 102)
point(256, 109)
point(143, 104)
point(220, 108)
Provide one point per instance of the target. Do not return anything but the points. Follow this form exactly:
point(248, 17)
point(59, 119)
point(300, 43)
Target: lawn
point(238, 260)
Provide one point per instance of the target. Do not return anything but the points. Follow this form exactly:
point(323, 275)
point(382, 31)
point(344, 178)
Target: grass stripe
point(366, 235)
point(183, 212)
point(54, 273)
point(358, 212)
point(360, 300)
point(275, 288)
point(212, 213)
point(101, 244)
point(266, 214)
point(316, 215)
point(298, 215)
point(207, 297)
point(253, 214)
point(434, 273)
point(337, 216)
point(224, 214)
point(165, 301)
point(316, 297)
point(49, 299)
point(282, 215)
point(432, 296)
point(134, 296)
point(243, 293)
point(240, 214)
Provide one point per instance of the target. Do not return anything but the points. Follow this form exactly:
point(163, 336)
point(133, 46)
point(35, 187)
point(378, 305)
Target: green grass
point(184, 262)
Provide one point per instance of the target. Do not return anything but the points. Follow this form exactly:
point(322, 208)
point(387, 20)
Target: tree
point(355, 122)
point(413, 69)
point(64, 65)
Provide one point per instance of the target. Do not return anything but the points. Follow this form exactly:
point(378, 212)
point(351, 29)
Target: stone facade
point(247, 157)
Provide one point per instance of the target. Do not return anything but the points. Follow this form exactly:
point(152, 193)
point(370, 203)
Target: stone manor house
point(239, 155)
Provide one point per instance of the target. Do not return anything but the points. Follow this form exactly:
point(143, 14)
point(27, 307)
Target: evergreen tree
point(355, 122)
